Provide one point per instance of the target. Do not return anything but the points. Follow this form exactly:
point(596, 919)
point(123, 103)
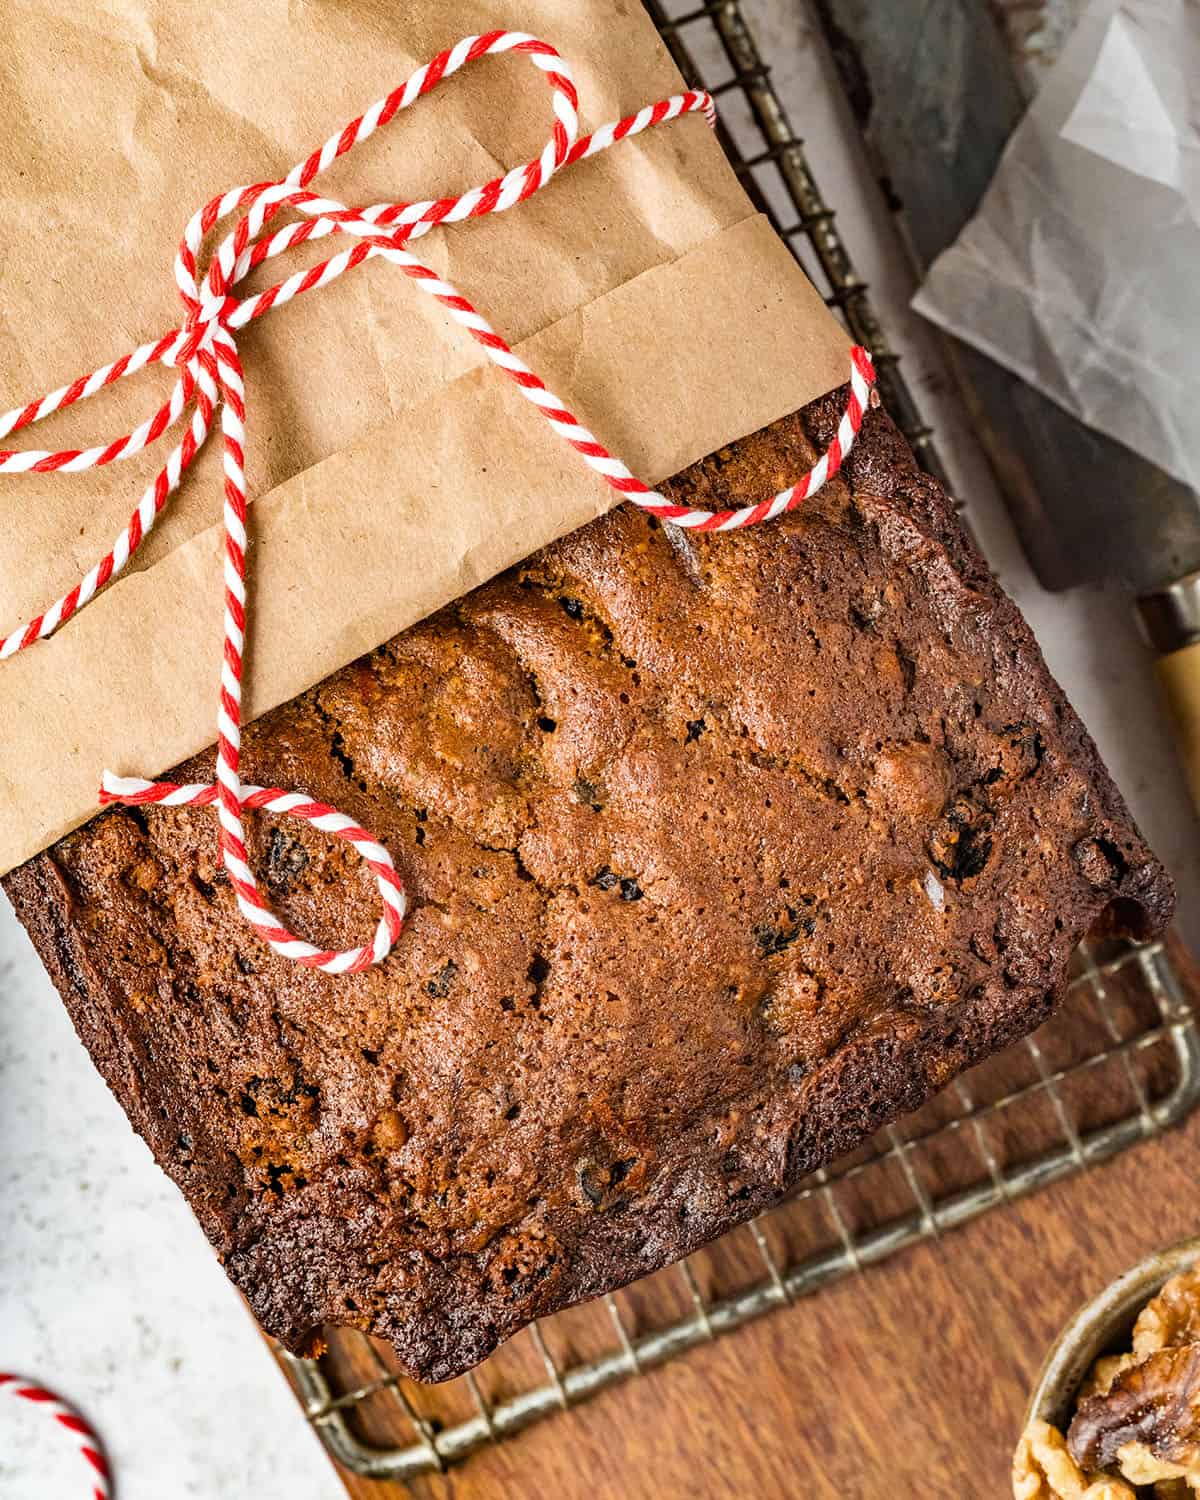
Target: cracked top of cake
point(720, 851)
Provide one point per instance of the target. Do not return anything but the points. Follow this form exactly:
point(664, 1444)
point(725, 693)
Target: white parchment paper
point(1081, 269)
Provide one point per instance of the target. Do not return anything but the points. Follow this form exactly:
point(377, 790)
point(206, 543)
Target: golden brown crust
point(722, 852)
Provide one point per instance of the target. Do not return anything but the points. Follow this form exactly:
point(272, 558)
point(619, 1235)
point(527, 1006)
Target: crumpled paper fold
point(1079, 270)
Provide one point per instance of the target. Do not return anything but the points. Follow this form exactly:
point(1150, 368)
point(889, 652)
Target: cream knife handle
point(1179, 674)
point(1170, 620)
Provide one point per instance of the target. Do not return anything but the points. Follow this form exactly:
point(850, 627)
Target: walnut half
point(1100, 1377)
point(1043, 1469)
point(1155, 1407)
point(1170, 1319)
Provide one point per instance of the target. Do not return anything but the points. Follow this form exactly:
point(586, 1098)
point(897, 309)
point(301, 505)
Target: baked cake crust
point(722, 851)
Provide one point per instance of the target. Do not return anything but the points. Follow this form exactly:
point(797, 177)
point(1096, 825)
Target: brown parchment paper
point(390, 468)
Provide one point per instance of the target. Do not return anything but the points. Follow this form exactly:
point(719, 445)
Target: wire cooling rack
point(1119, 1063)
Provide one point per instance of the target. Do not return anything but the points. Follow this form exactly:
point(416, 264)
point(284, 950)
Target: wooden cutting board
point(909, 1380)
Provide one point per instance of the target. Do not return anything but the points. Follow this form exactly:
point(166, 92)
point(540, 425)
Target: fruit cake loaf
point(721, 850)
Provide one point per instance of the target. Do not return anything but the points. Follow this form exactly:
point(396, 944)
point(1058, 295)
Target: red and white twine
point(67, 1420)
point(203, 350)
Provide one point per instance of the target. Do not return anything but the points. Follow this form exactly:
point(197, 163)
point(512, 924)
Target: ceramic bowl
point(1102, 1326)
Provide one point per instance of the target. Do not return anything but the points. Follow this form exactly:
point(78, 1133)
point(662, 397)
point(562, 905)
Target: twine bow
point(204, 352)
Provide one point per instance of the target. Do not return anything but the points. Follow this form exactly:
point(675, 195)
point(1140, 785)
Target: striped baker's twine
point(68, 1420)
point(204, 351)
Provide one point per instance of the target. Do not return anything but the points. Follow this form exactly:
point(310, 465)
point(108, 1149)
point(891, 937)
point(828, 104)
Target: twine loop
point(203, 351)
point(70, 1424)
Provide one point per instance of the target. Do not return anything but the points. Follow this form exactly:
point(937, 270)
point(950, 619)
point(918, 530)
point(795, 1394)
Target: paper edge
point(200, 550)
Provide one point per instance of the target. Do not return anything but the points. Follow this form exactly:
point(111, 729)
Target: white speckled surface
point(107, 1288)
point(110, 1293)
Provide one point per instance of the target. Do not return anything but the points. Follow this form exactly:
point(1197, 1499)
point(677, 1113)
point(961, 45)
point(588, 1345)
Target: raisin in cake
point(721, 851)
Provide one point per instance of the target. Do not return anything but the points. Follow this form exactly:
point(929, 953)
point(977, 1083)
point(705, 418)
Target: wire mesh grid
point(714, 48)
point(1119, 1063)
